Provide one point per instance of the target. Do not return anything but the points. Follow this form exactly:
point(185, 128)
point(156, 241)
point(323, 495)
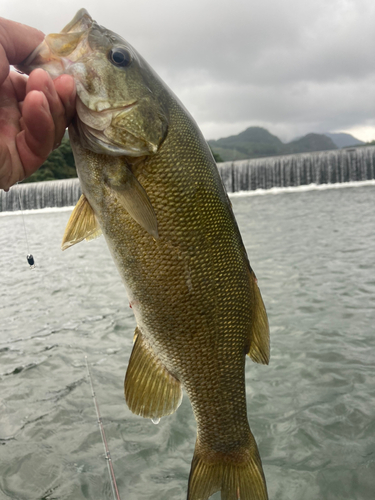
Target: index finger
point(17, 41)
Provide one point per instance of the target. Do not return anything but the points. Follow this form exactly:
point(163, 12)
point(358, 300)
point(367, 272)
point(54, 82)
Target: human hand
point(34, 110)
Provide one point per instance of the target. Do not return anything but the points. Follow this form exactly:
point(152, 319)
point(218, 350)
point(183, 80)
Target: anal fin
point(150, 389)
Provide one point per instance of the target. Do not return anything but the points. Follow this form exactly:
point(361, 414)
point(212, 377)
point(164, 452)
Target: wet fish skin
point(151, 186)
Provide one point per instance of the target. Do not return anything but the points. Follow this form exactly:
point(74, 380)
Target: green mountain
point(252, 143)
point(256, 142)
point(311, 142)
point(343, 140)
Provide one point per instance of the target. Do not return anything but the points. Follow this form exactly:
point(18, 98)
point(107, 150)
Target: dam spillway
point(36, 195)
point(325, 167)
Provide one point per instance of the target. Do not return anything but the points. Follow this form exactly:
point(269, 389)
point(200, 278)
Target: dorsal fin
point(82, 224)
point(259, 339)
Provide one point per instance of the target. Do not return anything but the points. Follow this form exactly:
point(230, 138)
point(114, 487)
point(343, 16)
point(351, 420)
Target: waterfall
point(325, 167)
point(34, 195)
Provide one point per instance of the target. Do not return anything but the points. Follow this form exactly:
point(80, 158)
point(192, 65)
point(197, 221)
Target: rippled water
point(312, 409)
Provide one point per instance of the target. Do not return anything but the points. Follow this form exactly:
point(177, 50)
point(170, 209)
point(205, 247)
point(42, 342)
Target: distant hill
point(253, 142)
point(256, 142)
point(343, 140)
point(311, 142)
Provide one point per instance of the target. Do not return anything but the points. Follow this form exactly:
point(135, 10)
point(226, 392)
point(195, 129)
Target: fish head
point(118, 109)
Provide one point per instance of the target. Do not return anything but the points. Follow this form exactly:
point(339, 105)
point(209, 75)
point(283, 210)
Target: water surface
point(311, 410)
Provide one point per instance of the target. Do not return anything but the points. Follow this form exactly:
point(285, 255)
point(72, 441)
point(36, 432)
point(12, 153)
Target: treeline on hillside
point(254, 142)
point(59, 165)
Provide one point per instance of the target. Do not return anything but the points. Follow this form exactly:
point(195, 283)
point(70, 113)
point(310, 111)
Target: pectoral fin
point(132, 196)
point(259, 338)
point(82, 224)
point(150, 389)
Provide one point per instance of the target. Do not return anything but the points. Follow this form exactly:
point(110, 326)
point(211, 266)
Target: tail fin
point(237, 480)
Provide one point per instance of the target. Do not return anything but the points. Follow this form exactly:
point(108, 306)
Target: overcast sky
point(291, 66)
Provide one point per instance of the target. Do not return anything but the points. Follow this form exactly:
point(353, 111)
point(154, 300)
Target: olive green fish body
point(171, 231)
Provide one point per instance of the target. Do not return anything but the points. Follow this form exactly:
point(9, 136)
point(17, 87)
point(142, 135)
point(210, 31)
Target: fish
point(150, 185)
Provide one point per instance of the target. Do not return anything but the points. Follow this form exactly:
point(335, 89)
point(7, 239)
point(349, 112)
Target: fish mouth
point(59, 50)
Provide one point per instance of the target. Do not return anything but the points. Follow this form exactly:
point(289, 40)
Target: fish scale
point(151, 186)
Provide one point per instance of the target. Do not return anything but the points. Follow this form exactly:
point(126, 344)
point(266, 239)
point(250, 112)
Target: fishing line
point(111, 472)
point(29, 257)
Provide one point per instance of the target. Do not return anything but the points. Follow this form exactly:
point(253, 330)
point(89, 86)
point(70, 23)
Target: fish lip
point(82, 13)
point(55, 66)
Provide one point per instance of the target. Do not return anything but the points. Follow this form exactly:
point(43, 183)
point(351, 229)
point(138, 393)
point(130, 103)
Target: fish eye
point(120, 57)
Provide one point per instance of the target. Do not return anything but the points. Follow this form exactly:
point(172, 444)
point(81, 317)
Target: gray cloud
point(289, 65)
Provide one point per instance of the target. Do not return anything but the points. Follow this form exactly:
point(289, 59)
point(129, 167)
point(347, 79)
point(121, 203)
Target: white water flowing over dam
point(36, 195)
point(325, 167)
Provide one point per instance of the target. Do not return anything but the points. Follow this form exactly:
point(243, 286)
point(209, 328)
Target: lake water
point(312, 409)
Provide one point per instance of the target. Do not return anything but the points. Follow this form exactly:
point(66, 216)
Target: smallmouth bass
point(151, 186)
